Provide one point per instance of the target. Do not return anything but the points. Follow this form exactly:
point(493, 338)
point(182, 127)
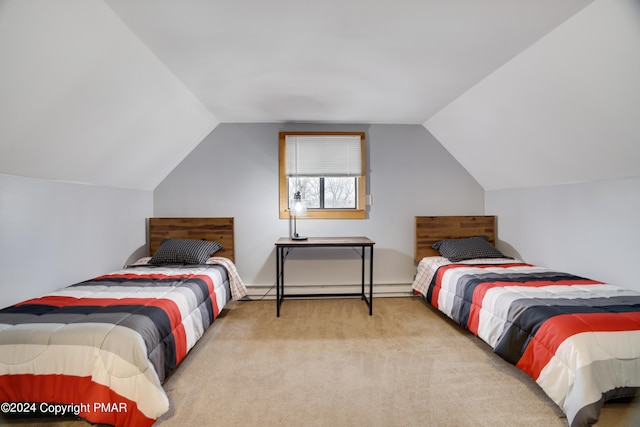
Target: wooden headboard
point(215, 229)
point(430, 229)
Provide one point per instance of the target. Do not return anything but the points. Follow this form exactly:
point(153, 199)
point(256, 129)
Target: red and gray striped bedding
point(579, 339)
point(104, 346)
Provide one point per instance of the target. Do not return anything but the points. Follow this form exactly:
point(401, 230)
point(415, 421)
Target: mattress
point(578, 338)
point(101, 349)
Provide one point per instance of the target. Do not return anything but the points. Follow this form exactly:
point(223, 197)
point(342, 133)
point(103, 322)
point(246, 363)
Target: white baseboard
point(379, 290)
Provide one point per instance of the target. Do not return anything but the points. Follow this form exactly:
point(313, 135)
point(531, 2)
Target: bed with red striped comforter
point(579, 339)
point(101, 349)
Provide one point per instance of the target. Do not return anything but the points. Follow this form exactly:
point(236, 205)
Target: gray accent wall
point(54, 234)
point(234, 172)
point(590, 229)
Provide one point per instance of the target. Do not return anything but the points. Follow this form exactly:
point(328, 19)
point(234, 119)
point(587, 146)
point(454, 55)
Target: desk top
point(326, 241)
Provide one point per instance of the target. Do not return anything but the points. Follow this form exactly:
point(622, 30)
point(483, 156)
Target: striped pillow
point(184, 251)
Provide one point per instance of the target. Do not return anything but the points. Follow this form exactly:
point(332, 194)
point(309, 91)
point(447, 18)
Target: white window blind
point(326, 155)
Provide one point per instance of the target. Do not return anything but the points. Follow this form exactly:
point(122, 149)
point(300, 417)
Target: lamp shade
point(299, 205)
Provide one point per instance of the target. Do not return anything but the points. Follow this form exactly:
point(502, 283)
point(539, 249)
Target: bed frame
point(430, 229)
point(214, 229)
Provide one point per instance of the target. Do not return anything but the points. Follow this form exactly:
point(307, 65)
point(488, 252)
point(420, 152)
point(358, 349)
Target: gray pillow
point(467, 248)
point(184, 251)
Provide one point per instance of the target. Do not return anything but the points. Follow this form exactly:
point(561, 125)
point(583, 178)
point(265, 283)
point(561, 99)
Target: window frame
point(360, 211)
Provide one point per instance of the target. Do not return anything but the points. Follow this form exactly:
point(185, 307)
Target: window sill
point(329, 214)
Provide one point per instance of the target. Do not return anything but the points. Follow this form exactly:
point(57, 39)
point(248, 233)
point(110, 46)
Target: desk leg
point(364, 297)
point(278, 267)
point(370, 280)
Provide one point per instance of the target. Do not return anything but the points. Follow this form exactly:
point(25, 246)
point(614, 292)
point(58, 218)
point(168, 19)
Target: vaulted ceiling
point(118, 92)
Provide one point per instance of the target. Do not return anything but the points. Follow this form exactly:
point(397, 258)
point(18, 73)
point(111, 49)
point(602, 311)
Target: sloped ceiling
point(565, 110)
point(117, 92)
point(83, 100)
point(354, 61)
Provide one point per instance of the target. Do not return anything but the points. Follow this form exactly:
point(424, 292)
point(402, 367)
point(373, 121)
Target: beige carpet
point(328, 363)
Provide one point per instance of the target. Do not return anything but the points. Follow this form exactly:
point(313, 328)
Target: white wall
point(564, 110)
point(589, 229)
point(77, 83)
point(54, 234)
point(234, 172)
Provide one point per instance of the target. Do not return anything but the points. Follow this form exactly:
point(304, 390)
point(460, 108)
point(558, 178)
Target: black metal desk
point(323, 242)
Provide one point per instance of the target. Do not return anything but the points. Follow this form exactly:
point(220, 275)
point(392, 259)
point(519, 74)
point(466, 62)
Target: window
point(328, 169)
